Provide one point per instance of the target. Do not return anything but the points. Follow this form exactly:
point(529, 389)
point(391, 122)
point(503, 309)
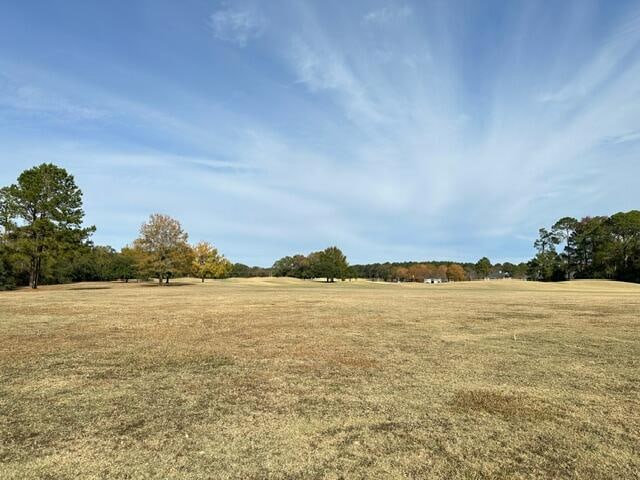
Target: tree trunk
point(34, 275)
point(167, 280)
point(159, 280)
point(202, 279)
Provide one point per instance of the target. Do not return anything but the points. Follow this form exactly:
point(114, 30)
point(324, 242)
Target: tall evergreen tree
point(42, 215)
point(483, 267)
point(564, 230)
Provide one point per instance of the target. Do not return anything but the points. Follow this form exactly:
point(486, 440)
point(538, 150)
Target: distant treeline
point(448, 271)
point(310, 266)
point(43, 241)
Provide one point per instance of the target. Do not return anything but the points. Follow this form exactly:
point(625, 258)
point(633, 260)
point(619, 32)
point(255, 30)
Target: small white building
point(432, 280)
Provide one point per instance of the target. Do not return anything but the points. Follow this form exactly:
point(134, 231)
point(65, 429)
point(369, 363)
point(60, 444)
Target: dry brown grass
point(291, 379)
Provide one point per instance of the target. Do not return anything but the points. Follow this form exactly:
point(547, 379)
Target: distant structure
point(432, 280)
point(499, 275)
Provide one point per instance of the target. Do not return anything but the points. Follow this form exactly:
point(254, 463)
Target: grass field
point(282, 378)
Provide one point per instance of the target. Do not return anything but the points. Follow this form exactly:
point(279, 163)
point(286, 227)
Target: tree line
point(443, 270)
point(606, 247)
point(43, 241)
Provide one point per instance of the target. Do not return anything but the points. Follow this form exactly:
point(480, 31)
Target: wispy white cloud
point(627, 137)
point(429, 159)
point(387, 14)
point(321, 70)
point(415, 144)
point(238, 25)
point(607, 62)
point(30, 98)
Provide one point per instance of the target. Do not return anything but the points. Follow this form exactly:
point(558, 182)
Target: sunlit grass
point(295, 379)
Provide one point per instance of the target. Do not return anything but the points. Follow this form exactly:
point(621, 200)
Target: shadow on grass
point(170, 284)
point(90, 288)
point(503, 404)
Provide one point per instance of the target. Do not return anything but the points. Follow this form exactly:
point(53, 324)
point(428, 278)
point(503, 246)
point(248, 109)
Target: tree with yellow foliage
point(207, 262)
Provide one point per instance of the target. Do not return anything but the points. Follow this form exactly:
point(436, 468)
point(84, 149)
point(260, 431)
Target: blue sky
point(395, 130)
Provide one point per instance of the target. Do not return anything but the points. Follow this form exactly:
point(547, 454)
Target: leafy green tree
point(314, 268)
point(298, 266)
point(331, 263)
point(124, 265)
point(588, 248)
point(283, 267)
point(85, 263)
point(240, 270)
point(301, 267)
point(483, 267)
point(352, 273)
point(80, 265)
point(624, 249)
point(94, 263)
point(546, 267)
point(7, 280)
point(42, 215)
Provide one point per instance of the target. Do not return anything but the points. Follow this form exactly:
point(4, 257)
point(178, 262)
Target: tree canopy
point(208, 263)
point(483, 267)
point(594, 247)
point(329, 263)
point(161, 249)
point(42, 218)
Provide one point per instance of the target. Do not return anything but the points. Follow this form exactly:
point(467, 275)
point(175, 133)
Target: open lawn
point(283, 378)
